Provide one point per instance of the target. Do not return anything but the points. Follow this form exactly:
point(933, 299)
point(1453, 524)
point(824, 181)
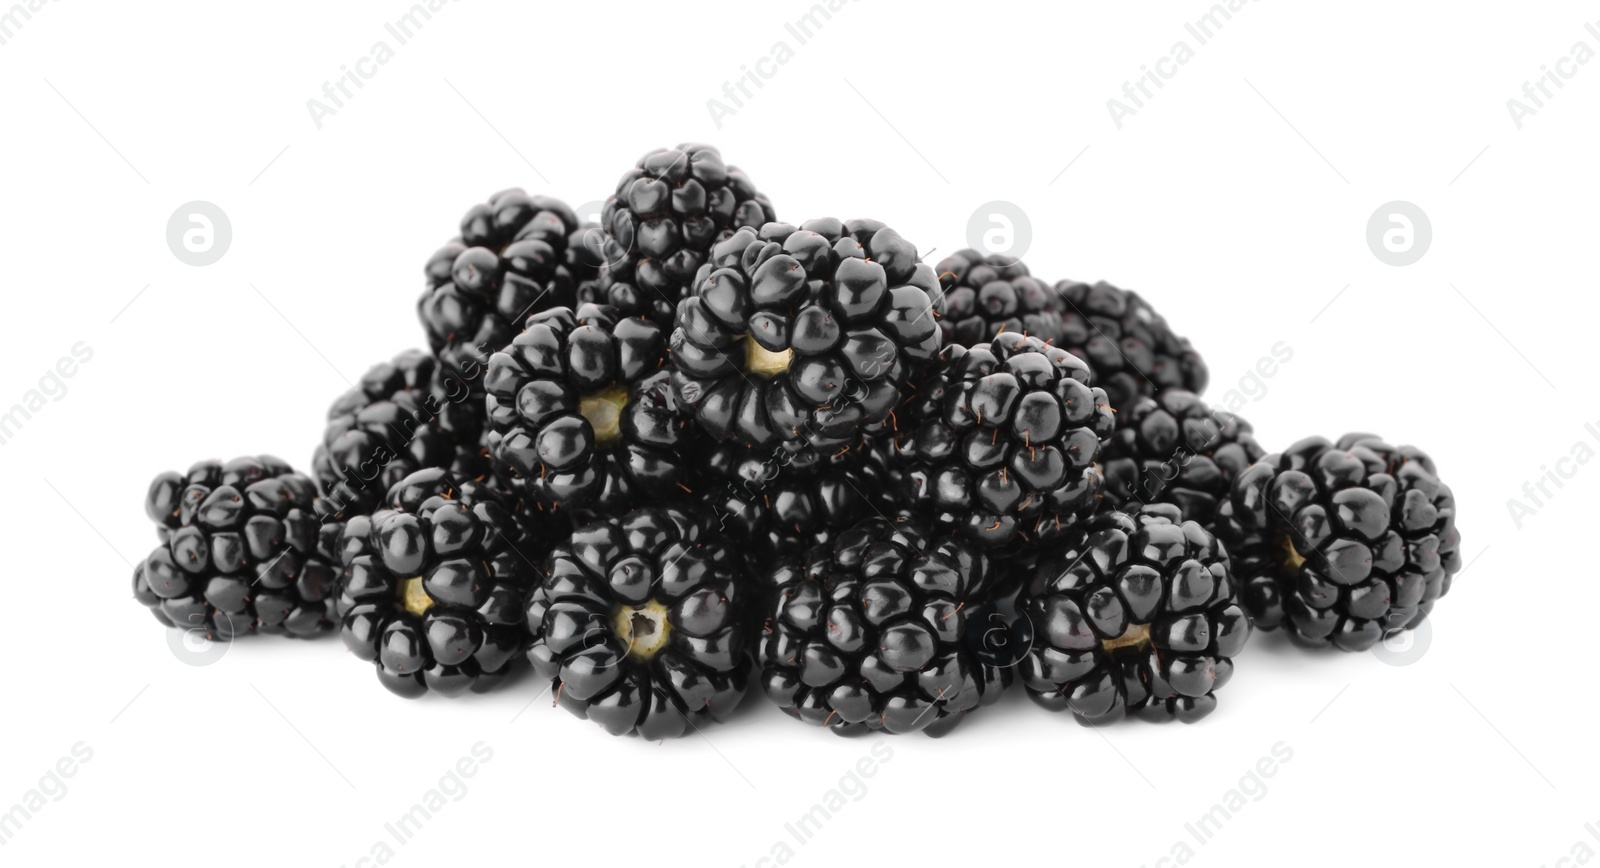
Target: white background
point(1237, 200)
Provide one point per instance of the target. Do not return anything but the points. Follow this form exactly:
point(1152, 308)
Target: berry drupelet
point(1000, 443)
point(582, 413)
point(516, 254)
point(404, 415)
point(805, 336)
point(1130, 347)
point(877, 631)
point(238, 551)
point(779, 505)
point(1173, 448)
point(1133, 613)
point(639, 623)
point(1342, 543)
point(660, 225)
point(987, 294)
point(433, 586)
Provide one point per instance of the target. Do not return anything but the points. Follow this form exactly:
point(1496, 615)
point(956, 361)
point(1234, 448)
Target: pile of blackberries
point(692, 448)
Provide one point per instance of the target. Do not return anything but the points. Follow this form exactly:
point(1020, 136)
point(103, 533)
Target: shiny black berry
point(1134, 613)
point(1000, 444)
point(779, 504)
point(876, 631)
point(1342, 543)
point(238, 551)
point(987, 294)
point(582, 413)
point(403, 416)
point(1130, 347)
point(660, 225)
point(1173, 448)
point(516, 254)
point(433, 586)
point(805, 335)
point(640, 623)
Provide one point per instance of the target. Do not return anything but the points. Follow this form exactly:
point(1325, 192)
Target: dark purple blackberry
point(779, 506)
point(805, 335)
point(1000, 443)
point(582, 413)
point(1173, 448)
point(1133, 613)
point(668, 211)
point(1130, 347)
point(433, 586)
point(1342, 543)
point(403, 416)
point(877, 632)
point(516, 254)
point(990, 294)
point(238, 552)
point(639, 623)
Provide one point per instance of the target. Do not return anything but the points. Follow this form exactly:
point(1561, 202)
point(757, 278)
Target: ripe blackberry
point(516, 254)
point(582, 412)
point(990, 294)
point(404, 415)
point(878, 631)
point(1000, 443)
point(1134, 613)
point(1130, 347)
point(433, 586)
point(638, 623)
point(805, 335)
point(1173, 448)
point(238, 551)
point(780, 506)
point(660, 225)
point(1342, 543)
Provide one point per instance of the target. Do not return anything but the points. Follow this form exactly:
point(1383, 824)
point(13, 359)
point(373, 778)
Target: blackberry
point(805, 335)
point(238, 551)
point(1173, 448)
point(661, 223)
point(433, 586)
point(404, 415)
point(582, 412)
point(779, 506)
point(990, 294)
point(1342, 543)
point(1130, 347)
point(516, 254)
point(1133, 613)
point(639, 623)
point(1000, 443)
point(877, 631)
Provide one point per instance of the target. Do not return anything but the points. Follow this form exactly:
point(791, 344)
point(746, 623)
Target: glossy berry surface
point(1173, 448)
point(582, 413)
point(987, 294)
point(433, 586)
point(516, 254)
point(639, 622)
point(1000, 443)
point(1134, 613)
point(238, 552)
point(404, 415)
point(1131, 348)
point(877, 632)
point(777, 506)
point(805, 334)
point(667, 212)
point(1342, 543)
